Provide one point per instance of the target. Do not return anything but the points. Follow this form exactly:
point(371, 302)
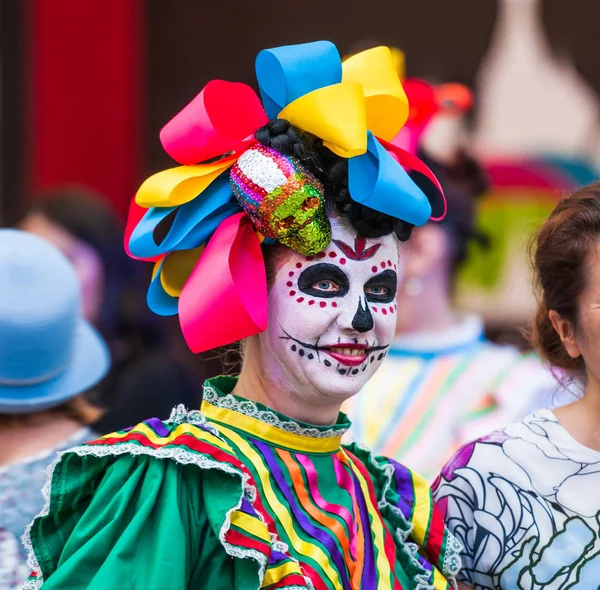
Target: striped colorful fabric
point(426, 401)
point(312, 513)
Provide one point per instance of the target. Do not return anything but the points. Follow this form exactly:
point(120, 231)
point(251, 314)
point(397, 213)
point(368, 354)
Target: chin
point(341, 387)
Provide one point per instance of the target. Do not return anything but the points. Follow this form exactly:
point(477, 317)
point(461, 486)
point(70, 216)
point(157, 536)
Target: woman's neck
point(301, 404)
point(582, 418)
point(28, 436)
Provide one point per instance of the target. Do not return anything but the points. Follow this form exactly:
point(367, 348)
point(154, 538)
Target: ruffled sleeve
point(136, 523)
point(428, 552)
point(159, 505)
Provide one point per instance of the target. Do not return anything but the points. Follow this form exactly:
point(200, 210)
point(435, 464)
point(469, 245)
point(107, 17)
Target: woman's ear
point(566, 331)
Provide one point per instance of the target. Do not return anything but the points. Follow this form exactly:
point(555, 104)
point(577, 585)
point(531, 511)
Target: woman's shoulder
point(153, 475)
point(186, 437)
point(502, 452)
point(406, 504)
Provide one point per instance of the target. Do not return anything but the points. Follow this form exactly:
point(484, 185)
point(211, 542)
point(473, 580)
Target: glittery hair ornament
point(283, 200)
point(230, 193)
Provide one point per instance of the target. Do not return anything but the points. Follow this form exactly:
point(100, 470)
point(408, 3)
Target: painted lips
point(350, 355)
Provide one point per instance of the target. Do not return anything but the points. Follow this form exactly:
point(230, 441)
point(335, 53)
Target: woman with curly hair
point(523, 500)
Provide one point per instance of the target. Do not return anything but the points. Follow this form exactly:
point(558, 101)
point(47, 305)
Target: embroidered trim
point(179, 415)
point(250, 409)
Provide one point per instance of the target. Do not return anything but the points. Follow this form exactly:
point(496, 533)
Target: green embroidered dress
point(236, 496)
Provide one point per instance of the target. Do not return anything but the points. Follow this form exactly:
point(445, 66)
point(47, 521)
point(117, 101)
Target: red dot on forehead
point(374, 309)
point(384, 311)
point(389, 263)
point(334, 304)
point(311, 302)
point(332, 255)
point(383, 265)
point(323, 304)
point(374, 268)
point(292, 293)
point(391, 309)
point(310, 258)
point(300, 299)
point(291, 273)
point(342, 261)
point(298, 265)
point(321, 255)
point(289, 283)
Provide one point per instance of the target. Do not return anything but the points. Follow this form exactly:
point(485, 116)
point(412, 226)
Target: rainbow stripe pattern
point(420, 407)
point(312, 513)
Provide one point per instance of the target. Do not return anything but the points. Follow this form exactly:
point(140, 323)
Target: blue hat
point(48, 352)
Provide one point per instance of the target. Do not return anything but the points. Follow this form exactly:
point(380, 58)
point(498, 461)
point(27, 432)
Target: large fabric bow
point(208, 265)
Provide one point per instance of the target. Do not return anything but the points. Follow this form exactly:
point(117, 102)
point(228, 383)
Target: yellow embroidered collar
point(259, 421)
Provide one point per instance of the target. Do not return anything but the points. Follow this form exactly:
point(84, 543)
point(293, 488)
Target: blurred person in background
point(50, 355)
point(147, 378)
point(443, 383)
point(524, 500)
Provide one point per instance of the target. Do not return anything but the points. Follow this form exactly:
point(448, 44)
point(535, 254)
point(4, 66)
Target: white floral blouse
point(525, 504)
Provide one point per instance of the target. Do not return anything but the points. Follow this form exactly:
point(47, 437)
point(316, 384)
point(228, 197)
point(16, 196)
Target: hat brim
point(89, 364)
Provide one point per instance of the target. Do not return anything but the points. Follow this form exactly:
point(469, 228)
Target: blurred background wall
point(86, 86)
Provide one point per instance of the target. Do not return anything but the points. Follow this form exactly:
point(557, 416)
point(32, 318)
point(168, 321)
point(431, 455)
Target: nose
point(363, 320)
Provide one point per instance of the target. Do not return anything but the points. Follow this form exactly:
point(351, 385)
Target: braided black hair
point(332, 171)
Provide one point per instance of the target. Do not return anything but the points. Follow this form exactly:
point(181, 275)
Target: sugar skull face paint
point(332, 316)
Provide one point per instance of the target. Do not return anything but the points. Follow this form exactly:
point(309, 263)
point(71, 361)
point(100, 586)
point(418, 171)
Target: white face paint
point(332, 316)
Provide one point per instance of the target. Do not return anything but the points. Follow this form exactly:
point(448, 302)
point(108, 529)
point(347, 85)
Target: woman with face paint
point(285, 238)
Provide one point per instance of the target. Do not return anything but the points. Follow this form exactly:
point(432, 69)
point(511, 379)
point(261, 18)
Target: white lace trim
point(249, 408)
point(452, 563)
point(179, 415)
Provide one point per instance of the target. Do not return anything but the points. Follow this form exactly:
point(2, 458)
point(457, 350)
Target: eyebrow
point(323, 272)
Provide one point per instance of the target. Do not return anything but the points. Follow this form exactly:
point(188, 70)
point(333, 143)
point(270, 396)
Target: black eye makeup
point(382, 288)
point(324, 280)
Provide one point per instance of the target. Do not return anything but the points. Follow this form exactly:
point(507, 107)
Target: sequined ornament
point(284, 201)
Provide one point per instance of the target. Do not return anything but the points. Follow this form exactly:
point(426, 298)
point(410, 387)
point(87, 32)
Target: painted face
point(332, 316)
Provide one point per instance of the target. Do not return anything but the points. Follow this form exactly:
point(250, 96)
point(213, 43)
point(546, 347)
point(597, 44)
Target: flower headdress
point(230, 193)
